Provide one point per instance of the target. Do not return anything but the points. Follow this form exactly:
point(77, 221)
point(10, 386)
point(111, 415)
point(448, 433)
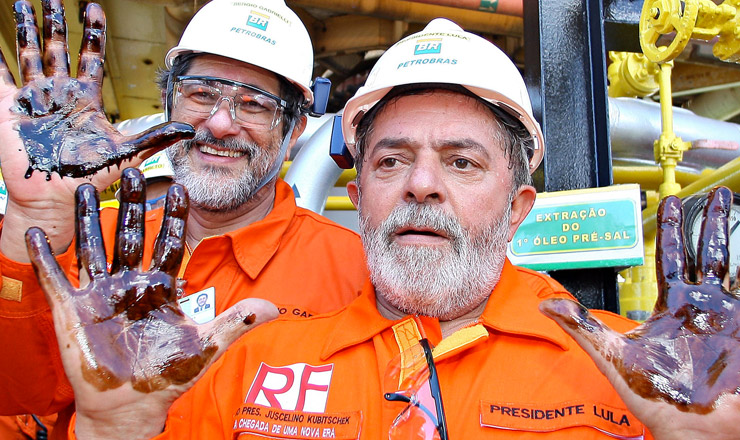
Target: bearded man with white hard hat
point(447, 340)
point(241, 77)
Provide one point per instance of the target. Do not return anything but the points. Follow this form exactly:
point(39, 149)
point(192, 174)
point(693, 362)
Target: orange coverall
point(512, 375)
point(302, 262)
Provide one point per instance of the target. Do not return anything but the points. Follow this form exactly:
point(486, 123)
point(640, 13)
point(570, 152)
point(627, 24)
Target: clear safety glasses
point(414, 376)
point(201, 96)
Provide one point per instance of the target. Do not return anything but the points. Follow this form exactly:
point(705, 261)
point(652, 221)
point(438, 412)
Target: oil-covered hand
point(127, 348)
point(61, 119)
point(679, 372)
point(55, 124)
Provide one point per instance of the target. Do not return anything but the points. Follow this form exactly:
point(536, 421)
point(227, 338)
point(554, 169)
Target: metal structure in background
point(621, 18)
point(565, 70)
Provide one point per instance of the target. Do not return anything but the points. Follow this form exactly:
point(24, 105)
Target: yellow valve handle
point(663, 17)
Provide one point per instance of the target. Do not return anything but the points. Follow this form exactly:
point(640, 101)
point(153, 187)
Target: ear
point(520, 207)
point(300, 126)
point(353, 192)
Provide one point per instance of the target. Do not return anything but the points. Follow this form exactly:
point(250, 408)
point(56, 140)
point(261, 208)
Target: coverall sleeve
point(31, 372)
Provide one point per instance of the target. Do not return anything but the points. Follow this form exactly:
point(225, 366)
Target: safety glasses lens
point(417, 421)
point(411, 378)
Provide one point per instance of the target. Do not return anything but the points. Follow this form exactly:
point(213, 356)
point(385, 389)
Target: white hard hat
point(264, 33)
point(443, 53)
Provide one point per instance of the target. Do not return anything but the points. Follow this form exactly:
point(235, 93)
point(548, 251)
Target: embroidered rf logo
point(297, 387)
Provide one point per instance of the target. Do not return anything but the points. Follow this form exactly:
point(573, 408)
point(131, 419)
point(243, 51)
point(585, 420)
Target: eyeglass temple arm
point(397, 397)
point(436, 392)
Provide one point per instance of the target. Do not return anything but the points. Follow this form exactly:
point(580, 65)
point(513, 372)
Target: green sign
point(599, 227)
point(577, 228)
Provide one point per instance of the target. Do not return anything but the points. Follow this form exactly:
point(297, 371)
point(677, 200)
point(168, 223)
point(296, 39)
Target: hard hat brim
point(359, 106)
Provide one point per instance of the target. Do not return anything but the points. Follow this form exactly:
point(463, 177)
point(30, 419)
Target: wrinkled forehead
point(434, 117)
point(427, 95)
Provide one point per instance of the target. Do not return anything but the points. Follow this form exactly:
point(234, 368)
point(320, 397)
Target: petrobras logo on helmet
point(257, 20)
point(265, 9)
point(433, 45)
point(424, 46)
point(253, 34)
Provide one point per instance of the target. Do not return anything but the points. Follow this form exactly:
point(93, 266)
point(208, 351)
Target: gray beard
point(437, 282)
point(220, 189)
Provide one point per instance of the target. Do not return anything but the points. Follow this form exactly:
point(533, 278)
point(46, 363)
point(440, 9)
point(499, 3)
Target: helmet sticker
point(257, 20)
point(266, 11)
point(430, 46)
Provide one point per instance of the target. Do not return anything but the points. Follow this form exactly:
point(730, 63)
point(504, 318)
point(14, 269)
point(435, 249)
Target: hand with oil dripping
point(679, 372)
point(55, 124)
point(126, 346)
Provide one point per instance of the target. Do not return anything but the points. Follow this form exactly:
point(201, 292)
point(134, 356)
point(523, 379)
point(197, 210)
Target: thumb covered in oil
point(600, 342)
point(234, 322)
point(159, 137)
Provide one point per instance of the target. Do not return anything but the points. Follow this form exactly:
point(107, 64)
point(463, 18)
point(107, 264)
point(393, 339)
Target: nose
point(424, 183)
point(222, 122)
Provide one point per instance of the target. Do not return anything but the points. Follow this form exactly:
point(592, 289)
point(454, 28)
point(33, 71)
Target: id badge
point(200, 306)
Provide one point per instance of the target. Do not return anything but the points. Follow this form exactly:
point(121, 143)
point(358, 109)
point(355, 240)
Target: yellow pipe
point(339, 203)
point(666, 98)
point(347, 176)
point(727, 175)
point(638, 292)
point(284, 168)
point(649, 177)
point(669, 148)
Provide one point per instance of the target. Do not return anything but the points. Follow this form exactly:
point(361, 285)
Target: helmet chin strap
point(279, 160)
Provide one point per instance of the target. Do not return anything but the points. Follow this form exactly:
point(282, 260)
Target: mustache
point(234, 144)
point(422, 215)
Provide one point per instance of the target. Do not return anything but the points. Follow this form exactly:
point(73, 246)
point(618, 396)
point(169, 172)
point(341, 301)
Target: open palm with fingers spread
point(122, 336)
point(60, 119)
point(680, 370)
point(56, 124)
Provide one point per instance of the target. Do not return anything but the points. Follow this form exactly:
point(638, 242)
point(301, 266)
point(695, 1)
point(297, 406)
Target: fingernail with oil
point(249, 320)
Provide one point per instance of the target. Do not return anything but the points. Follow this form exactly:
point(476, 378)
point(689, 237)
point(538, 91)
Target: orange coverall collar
point(267, 233)
point(512, 308)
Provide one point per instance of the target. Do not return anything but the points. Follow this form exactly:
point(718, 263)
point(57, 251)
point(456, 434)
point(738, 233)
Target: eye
point(200, 93)
point(250, 105)
point(254, 104)
point(461, 164)
point(388, 162)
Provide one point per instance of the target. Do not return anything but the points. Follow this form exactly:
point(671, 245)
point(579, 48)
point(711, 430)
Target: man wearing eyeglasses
point(241, 77)
point(447, 340)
